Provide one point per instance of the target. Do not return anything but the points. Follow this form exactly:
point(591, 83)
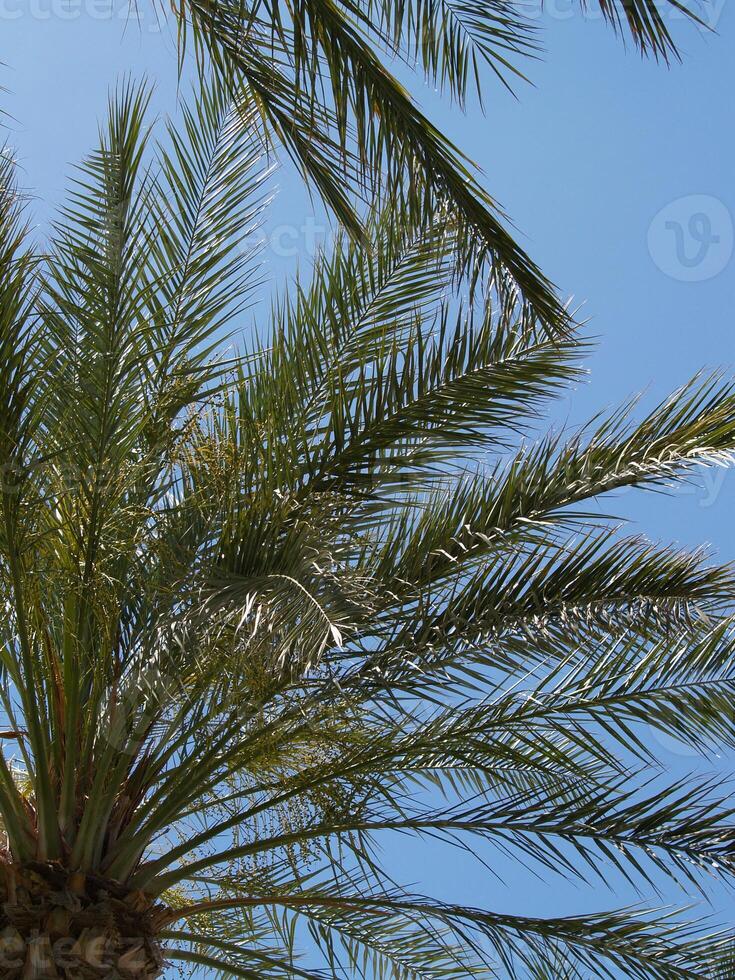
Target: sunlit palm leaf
point(267, 612)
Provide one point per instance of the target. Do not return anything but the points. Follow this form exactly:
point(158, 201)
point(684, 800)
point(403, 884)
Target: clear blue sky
point(617, 173)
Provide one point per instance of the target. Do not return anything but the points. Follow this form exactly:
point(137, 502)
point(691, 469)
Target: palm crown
point(265, 609)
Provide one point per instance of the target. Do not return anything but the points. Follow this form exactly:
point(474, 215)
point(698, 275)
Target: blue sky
point(617, 173)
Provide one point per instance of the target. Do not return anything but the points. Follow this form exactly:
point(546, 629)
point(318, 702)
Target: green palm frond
point(266, 613)
point(321, 76)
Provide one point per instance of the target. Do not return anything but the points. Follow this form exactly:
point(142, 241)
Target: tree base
point(56, 924)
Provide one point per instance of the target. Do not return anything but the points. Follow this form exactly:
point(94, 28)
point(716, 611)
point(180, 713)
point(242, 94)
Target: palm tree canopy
point(265, 610)
point(321, 75)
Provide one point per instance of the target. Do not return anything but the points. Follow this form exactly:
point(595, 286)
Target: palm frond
point(263, 613)
point(320, 73)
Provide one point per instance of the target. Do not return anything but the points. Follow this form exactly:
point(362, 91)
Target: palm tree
point(265, 610)
point(320, 74)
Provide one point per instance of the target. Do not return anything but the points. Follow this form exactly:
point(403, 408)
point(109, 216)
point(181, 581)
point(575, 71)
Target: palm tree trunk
point(56, 925)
